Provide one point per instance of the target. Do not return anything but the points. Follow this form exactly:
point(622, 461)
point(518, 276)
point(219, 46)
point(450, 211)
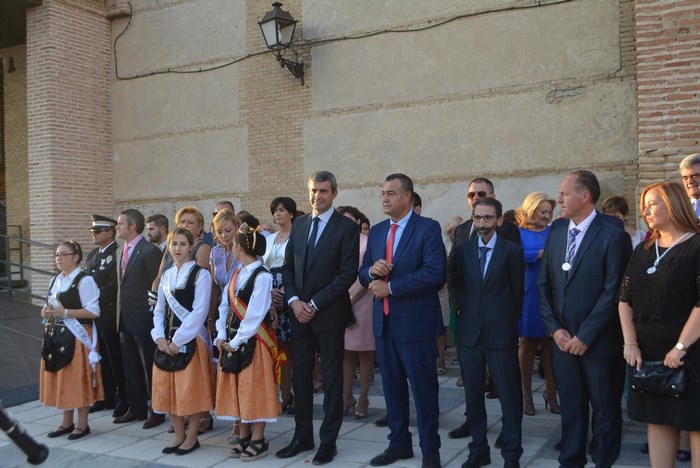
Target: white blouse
point(258, 305)
point(177, 279)
point(88, 290)
point(274, 253)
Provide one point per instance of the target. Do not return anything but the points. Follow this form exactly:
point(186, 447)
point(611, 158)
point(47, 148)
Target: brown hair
point(680, 212)
point(184, 232)
point(74, 248)
point(225, 215)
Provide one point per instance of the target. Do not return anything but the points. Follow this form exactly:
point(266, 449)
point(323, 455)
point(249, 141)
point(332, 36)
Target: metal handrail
point(18, 268)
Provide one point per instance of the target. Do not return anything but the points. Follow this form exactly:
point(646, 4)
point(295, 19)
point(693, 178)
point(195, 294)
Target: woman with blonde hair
point(533, 218)
point(660, 317)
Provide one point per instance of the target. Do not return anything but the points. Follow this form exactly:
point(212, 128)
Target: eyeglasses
point(487, 218)
point(98, 230)
point(63, 255)
point(694, 177)
point(471, 195)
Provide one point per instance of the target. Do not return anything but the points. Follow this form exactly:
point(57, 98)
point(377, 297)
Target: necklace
point(652, 269)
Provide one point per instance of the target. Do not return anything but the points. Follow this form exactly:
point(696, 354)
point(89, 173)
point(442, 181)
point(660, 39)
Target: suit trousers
point(409, 362)
point(582, 380)
point(505, 373)
point(112, 365)
point(331, 345)
point(137, 354)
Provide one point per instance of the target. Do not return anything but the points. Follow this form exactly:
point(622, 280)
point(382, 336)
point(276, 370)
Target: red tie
point(125, 257)
point(389, 256)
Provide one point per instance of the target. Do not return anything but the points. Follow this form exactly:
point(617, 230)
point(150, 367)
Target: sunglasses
point(471, 195)
point(98, 230)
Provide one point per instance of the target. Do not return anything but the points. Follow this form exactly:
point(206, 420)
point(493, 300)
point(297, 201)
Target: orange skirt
point(250, 395)
point(186, 392)
point(71, 387)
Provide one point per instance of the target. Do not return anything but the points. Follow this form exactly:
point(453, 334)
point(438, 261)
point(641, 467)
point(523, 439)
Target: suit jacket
point(103, 269)
point(332, 269)
point(583, 300)
point(507, 231)
point(132, 305)
point(417, 274)
point(489, 307)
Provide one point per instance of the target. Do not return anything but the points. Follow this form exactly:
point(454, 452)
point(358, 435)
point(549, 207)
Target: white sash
point(81, 334)
point(181, 312)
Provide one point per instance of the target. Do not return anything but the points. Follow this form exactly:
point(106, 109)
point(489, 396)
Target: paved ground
point(112, 445)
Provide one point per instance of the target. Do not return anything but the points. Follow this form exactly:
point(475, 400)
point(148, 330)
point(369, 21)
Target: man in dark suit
point(320, 266)
point(478, 188)
point(581, 272)
point(139, 261)
point(489, 288)
point(101, 264)
point(404, 267)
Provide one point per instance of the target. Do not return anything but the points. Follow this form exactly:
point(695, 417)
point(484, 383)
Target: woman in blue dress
point(533, 218)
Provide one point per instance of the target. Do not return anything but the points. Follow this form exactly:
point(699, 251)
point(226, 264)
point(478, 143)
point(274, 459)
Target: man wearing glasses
point(478, 188)
point(690, 175)
point(101, 264)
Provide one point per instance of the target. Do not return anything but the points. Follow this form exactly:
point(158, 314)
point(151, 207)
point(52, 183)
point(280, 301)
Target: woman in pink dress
point(359, 337)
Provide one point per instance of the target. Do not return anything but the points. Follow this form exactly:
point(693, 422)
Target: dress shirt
point(163, 245)
point(102, 250)
point(696, 206)
point(322, 223)
point(177, 279)
point(582, 227)
point(258, 305)
point(399, 230)
point(491, 244)
point(129, 248)
point(88, 290)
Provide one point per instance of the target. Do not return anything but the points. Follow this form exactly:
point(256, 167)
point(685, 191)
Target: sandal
point(256, 449)
point(240, 446)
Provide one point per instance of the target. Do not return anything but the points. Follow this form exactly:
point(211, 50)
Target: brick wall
point(69, 132)
point(667, 35)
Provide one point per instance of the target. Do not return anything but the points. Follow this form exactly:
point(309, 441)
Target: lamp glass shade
point(278, 27)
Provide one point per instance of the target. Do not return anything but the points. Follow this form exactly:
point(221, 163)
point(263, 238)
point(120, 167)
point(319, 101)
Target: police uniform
point(101, 264)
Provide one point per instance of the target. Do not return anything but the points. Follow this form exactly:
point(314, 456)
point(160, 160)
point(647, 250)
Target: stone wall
point(512, 91)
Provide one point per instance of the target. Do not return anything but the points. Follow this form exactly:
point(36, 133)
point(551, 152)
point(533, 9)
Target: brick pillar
point(274, 114)
point(668, 85)
point(69, 129)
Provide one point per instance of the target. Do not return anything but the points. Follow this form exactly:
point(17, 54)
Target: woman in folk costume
point(247, 384)
point(183, 381)
point(70, 376)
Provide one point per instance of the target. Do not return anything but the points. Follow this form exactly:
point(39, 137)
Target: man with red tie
point(404, 267)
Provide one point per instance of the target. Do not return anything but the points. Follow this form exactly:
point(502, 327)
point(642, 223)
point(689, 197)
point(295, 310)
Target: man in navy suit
point(582, 267)
point(320, 265)
point(489, 289)
point(404, 267)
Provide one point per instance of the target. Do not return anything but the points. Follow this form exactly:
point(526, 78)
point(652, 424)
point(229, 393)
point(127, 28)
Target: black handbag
point(234, 362)
point(58, 347)
point(655, 378)
point(179, 361)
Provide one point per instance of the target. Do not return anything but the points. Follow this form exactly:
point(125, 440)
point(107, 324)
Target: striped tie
point(572, 243)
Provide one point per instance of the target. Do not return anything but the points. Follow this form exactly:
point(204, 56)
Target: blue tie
point(572, 244)
point(312, 240)
point(482, 260)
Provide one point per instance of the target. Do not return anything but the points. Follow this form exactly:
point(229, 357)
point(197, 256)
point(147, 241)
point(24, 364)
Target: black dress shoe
point(460, 432)
point(499, 441)
point(80, 434)
point(154, 420)
point(390, 456)
point(431, 461)
point(477, 460)
point(511, 464)
point(293, 449)
point(325, 454)
point(180, 451)
point(60, 431)
point(101, 405)
point(120, 410)
point(383, 421)
point(130, 417)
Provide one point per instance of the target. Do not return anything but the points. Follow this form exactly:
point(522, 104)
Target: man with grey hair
point(690, 175)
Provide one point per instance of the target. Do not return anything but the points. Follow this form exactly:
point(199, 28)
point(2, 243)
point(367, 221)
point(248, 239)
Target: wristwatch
point(681, 347)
